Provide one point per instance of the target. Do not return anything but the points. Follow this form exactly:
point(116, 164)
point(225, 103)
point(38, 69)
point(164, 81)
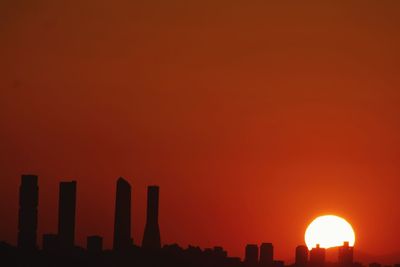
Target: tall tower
point(151, 237)
point(122, 220)
point(266, 254)
point(28, 207)
point(251, 255)
point(66, 215)
point(301, 256)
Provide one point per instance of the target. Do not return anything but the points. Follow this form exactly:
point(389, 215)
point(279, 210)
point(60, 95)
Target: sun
point(329, 231)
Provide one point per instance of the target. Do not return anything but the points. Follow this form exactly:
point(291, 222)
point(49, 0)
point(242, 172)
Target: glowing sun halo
point(329, 231)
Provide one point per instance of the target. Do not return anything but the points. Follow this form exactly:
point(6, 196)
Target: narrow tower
point(66, 215)
point(151, 237)
point(251, 255)
point(28, 207)
point(266, 254)
point(122, 221)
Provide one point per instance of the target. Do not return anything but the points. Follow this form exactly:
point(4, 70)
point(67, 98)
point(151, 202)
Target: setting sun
point(329, 231)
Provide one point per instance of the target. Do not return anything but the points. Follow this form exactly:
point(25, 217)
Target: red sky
point(253, 117)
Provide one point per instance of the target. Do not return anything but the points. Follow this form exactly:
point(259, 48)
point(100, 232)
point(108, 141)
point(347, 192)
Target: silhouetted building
point(94, 244)
point(122, 220)
point(266, 254)
point(50, 242)
point(251, 255)
point(301, 256)
point(28, 208)
point(66, 215)
point(345, 255)
point(317, 256)
point(151, 237)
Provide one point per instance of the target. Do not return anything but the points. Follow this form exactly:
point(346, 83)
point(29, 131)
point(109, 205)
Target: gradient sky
point(253, 117)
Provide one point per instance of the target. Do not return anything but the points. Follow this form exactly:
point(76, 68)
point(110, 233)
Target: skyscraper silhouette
point(251, 255)
point(345, 255)
point(266, 254)
point(122, 221)
point(66, 215)
point(317, 256)
point(28, 206)
point(151, 237)
point(301, 256)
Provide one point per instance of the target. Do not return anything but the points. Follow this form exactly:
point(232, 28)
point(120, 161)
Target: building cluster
point(64, 240)
point(59, 249)
point(263, 256)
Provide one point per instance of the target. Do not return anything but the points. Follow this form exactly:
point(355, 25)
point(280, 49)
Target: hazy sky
point(253, 117)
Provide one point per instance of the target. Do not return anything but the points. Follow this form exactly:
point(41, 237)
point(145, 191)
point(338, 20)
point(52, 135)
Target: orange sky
point(253, 117)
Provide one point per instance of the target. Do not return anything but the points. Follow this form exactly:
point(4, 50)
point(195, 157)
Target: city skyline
point(65, 237)
point(253, 118)
point(123, 239)
point(64, 240)
point(262, 254)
